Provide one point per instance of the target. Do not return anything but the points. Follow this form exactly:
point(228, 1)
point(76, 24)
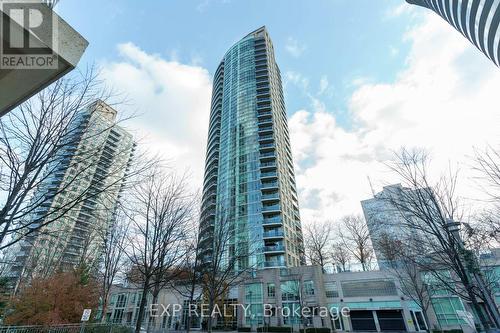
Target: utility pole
point(474, 269)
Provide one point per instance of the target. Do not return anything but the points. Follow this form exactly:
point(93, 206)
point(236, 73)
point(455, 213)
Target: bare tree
point(487, 163)
point(401, 258)
point(113, 262)
point(36, 141)
point(428, 210)
point(355, 237)
point(187, 282)
point(317, 243)
point(162, 208)
point(223, 263)
point(341, 256)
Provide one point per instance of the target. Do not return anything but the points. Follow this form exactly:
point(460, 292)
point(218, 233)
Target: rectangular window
point(331, 289)
point(254, 300)
point(121, 301)
point(446, 310)
point(290, 290)
point(309, 287)
point(271, 290)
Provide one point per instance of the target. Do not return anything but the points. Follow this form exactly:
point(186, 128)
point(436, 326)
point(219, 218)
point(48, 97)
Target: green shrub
point(244, 329)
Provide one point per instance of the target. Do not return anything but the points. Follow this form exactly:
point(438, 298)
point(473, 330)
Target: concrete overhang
point(16, 84)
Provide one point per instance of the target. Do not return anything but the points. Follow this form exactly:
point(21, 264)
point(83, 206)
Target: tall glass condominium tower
point(249, 175)
point(477, 20)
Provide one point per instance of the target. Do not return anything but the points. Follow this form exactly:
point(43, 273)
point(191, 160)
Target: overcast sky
point(361, 79)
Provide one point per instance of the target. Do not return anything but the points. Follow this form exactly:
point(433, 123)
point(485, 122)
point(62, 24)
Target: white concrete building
point(47, 52)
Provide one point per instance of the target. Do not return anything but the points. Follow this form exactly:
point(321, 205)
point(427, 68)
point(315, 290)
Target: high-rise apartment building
point(384, 219)
point(477, 20)
point(87, 175)
point(249, 173)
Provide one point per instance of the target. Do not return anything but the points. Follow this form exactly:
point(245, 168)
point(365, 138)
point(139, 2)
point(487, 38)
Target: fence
point(70, 328)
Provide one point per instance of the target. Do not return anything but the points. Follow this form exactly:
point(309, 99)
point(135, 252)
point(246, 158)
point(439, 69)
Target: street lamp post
point(472, 267)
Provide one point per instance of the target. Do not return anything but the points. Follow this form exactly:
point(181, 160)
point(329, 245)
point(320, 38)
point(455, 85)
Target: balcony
point(210, 185)
point(264, 114)
point(272, 221)
point(268, 155)
point(268, 165)
point(266, 137)
point(271, 196)
point(267, 129)
point(273, 263)
point(269, 174)
point(273, 234)
point(271, 208)
point(274, 248)
point(266, 146)
point(261, 75)
point(265, 122)
point(269, 185)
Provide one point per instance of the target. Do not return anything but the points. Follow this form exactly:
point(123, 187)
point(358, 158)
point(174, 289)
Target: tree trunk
point(482, 320)
point(210, 318)
point(104, 309)
point(191, 298)
point(156, 291)
point(142, 305)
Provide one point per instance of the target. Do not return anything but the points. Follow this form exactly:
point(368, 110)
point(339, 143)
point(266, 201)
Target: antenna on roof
point(371, 185)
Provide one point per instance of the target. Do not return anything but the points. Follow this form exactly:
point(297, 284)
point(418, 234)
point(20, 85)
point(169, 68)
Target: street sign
point(86, 314)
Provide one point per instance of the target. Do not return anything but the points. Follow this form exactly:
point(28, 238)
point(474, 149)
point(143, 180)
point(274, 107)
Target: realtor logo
point(28, 30)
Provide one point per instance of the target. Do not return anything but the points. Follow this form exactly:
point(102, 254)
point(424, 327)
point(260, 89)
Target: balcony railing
point(269, 184)
point(272, 221)
point(265, 121)
point(264, 113)
point(269, 174)
point(270, 196)
point(272, 234)
point(274, 248)
point(271, 208)
point(274, 264)
point(267, 145)
point(265, 129)
point(269, 154)
point(265, 137)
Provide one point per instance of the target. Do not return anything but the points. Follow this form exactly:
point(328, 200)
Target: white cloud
point(297, 79)
point(444, 101)
point(173, 103)
point(294, 47)
point(400, 9)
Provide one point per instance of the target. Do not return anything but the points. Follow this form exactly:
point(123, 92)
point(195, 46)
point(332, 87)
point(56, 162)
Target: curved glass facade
point(249, 176)
point(477, 20)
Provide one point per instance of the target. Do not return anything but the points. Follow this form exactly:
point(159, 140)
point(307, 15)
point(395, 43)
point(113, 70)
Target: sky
point(361, 79)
